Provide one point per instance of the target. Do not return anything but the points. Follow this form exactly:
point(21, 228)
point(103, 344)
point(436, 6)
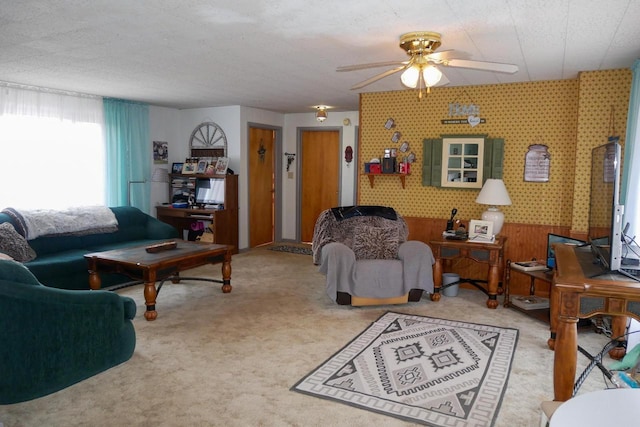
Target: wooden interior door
point(319, 177)
point(261, 186)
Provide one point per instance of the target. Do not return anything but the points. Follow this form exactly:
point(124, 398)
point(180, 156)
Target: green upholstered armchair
point(52, 338)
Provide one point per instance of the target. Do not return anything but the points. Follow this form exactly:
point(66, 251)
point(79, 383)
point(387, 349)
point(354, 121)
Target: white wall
point(163, 126)
point(175, 127)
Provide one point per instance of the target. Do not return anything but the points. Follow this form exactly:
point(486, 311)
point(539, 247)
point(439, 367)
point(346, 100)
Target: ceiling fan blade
point(482, 65)
point(371, 65)
point(447, 55)
point(378, 77)
point(443, 81)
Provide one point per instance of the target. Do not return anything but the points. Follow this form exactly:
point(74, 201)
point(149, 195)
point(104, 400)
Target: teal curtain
point(629, 196)
point(128, 153)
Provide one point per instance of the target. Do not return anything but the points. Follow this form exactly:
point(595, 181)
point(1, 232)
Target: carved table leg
point(618, 325)
point(94, 278)
point(437, 280)
point(554, 310)
point(565, 358)
point(176, 278)
point(150, 294)
point(507, 280)
point(492, 286)
point(226, 273)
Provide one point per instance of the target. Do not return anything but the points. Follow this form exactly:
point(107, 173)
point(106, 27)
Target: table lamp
point(494, 194)
point(161, 175)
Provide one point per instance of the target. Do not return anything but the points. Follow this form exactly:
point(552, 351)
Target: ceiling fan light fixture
point(422, 70)
point(410, 76)
point(321, 113)
point(431, 75)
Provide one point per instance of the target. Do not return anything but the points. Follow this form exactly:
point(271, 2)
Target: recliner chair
point(364, 252)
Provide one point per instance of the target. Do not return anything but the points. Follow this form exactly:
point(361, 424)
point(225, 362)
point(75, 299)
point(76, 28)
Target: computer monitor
point(555, 239)
point(210, 191)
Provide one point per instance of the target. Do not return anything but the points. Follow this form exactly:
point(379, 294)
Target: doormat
point(420, 369)
point(292, 249)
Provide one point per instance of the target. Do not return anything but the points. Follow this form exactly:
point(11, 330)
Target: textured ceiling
point(281, 55)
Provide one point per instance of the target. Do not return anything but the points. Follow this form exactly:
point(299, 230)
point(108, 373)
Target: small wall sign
point(537, 163)
point(471, 120)
point(471, 113)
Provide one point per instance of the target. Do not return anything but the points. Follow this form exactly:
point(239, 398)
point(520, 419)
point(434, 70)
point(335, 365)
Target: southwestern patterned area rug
point(425, 370)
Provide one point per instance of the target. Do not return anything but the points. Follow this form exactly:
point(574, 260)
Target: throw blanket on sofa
point(73, 221)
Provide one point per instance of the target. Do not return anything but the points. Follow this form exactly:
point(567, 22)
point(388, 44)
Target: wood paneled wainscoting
point(524, 241)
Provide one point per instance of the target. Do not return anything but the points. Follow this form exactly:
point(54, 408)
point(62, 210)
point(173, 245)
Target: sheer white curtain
point(52, 149)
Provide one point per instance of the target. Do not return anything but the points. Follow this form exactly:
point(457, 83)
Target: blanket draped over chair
point(73, 221)
point(364, 252)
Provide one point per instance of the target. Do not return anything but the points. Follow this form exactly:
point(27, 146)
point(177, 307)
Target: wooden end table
point(148, 268)
point(542, 314)
point(487, 253)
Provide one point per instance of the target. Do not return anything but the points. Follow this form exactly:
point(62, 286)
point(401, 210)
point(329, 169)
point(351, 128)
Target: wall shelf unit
point(372, 177)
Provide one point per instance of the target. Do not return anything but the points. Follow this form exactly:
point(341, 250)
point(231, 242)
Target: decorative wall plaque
point(537, 163)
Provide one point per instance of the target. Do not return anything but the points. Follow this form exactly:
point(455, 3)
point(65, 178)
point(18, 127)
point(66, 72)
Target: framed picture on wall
point(160, 152)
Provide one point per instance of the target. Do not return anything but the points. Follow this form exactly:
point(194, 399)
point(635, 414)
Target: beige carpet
point(213, 359)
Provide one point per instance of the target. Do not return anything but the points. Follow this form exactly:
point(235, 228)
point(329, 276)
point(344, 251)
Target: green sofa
point(60, 259)
point(52, 338)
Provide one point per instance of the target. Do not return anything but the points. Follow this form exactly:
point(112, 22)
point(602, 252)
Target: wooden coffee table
point(149, 268)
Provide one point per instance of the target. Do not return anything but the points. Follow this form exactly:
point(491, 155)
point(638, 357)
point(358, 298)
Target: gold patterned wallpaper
point(604, 95)
point(569, 116)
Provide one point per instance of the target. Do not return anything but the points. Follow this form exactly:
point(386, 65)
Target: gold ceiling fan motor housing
point(420, 42)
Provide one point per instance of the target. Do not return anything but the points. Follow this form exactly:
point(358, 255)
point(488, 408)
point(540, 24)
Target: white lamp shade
point(160, 175)
point(410, 76)
point(431, 75)
point(494, 193)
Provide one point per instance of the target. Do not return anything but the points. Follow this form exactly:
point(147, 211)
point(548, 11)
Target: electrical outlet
point(290, 175)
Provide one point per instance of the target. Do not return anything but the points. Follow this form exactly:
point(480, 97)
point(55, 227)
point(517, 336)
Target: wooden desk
point(487, 253)
point(542, 275)
point(225, 222)
point(574, 296)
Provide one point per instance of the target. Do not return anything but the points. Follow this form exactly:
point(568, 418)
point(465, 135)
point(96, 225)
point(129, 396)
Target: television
point(605, 212)
point(209, 191)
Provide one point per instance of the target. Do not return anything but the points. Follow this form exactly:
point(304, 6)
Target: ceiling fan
point(422, 68)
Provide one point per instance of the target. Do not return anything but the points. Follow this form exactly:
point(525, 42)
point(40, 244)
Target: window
point(462, 160)
point(53, 157)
